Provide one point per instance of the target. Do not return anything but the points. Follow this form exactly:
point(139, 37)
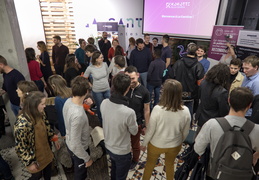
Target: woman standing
point(112, 68)
point(80, 55)
point(23, 88)
point(168, 127)
point(111, 52)
point(214, 94)
point(132, 46)
point(71, 70)
point(33, 135)
point(62, 93)
point(34, 69)
point(45, 66)
point(100, 74)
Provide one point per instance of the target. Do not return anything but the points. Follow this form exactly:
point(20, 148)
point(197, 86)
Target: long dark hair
point(118, 50)
point(30, 106)
point(70, 62)
point(95, 56)
point(219, 76)
point(30, 54)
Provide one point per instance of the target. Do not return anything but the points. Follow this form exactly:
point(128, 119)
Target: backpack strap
point(224, 124)
point(248, 126)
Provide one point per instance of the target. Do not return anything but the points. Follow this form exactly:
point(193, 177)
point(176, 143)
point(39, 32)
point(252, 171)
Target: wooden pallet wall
point(58, 19)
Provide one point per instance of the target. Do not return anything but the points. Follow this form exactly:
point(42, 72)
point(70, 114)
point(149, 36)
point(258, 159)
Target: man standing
point(188, 71)
point(105, 45)
point(201, 52)
point(236, 77)
point(147, 43)
point(251, 80)
point(141, 58)
point(166, 51)
point(155, 44)
point(11, 78)
point(77, 127)
point(59, 54)
point(139, 101)
point(155, 77)
point(119, 122)
point(240, 101)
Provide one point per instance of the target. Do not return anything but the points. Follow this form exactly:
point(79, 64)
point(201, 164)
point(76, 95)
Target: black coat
point(255, 110)
point(213, 102)
point(187, 71)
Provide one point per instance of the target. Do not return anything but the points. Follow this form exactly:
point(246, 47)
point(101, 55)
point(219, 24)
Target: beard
point(133, 84)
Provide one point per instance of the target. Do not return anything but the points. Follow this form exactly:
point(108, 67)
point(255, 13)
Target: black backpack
point(233, 156)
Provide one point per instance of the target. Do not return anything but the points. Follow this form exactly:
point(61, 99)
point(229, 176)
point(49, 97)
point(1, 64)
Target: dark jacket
point(70, 74)
point(141, 59)
point(213, 102)
point(188, 71)
point(104, 48)
point(155, 72)
point(255, 110)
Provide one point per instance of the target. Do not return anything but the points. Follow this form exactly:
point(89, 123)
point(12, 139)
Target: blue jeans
point(143, 78)
point(120, 165)
point(15, 109)
point(5, 169)
point(98, 98)
point(80, 171)
point(156, 90)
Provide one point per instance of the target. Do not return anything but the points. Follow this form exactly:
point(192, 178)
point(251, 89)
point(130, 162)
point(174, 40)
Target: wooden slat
point(58, 19)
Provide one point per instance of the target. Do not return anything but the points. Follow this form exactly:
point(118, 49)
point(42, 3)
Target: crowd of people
point(134, 92)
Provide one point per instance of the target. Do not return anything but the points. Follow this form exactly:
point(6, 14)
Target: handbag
point(191, 137)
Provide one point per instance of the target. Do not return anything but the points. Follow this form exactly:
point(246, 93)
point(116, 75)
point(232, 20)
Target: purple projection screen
point(181, 18)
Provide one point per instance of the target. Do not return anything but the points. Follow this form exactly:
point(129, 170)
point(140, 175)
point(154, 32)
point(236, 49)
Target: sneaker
point(133, 165)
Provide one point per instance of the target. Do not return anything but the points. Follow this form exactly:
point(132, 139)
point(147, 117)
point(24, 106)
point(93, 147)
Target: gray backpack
point(233, 156)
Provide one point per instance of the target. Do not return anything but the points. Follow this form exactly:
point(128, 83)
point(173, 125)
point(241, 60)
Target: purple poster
point(107, 26)
point(220, 36)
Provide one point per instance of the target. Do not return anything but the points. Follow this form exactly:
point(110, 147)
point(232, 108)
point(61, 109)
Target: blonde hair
point(42, 46)
point(59, 86)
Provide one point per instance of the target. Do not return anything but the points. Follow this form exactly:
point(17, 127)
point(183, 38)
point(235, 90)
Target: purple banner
point(220, 36)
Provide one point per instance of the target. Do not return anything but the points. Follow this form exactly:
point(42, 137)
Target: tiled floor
point(158, 172)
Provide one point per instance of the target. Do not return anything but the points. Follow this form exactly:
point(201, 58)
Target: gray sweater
point(100, 77)
point(119, 122)
point(77, 129)
point(211, 132)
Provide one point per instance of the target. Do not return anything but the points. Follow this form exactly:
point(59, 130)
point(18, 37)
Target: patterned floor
point(158, 172)
point(20, 172)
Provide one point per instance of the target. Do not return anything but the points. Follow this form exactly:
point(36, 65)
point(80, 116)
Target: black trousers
point(2, 119)
point(46, 173)
point(209, 178)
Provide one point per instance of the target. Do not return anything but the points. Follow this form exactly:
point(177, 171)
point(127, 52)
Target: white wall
point(102, 10)
point(85, 11)
point(30, 22)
